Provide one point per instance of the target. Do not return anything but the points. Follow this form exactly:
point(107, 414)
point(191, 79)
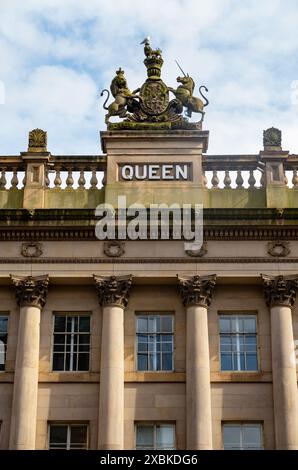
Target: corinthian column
point(31, 294)
point(113, 295)
point(196, 296)
point(280, 294)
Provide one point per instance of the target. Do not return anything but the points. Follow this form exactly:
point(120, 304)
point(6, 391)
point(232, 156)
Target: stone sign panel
point(155, 171)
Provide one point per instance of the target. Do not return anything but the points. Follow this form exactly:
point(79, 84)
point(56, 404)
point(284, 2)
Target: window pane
point(165, 438)
point(78, 435)
point(252, 436)
point(225, 325)
point(69, 324)
point(166, 324)
point(250, 325)
point(251, 362)
point(142, 362)
point(151, 325)
point(151, 343)
point(251, 343)
point(3, 340)
point(58, 362)
point(167, 347)
point(151, 362)
point(60, 323)
point(3, 324)
point(142, 325)
point(83, 362)
point(231, 436)
point(84, 323)
point(142, 347)
point(167, 362)
point(235, 326)
point(83, 339)
point(226, 362)
point(59, 339)
point(58, 437)
point(67, 362)
point(142, 338)
point(145, 437)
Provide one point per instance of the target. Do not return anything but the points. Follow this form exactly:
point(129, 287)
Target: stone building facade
point(124, 344)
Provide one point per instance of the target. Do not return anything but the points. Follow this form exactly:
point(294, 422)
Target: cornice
point(140, 260)
point(79, 233)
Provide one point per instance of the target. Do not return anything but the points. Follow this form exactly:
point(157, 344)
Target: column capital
point(31, 290)
point(113, 290)
point(280, 290)
point(196, 290)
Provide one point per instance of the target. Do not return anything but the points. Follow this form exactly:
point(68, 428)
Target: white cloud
point(56, 56)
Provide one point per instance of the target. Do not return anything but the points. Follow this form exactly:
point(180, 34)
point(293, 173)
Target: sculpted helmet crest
point(150, 106)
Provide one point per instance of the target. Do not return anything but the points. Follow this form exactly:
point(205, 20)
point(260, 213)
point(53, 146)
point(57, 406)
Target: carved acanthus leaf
point(31, 290)
point(37, 139)
point(113, 290)
point(280, 290)
point(196, 290)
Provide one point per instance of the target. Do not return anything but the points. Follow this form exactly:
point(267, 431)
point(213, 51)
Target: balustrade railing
point(291, 171)
point(12, 174)
point(232, 171)
point(74, 172)
point(88, 172)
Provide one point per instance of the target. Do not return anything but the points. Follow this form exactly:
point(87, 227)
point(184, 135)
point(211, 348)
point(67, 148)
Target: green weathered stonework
point(11, 198)
point(73, 198)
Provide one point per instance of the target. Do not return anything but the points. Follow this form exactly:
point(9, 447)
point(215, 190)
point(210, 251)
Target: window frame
point(154, 424)
point(152, 313)
point(5, 314)
point(69, 424)
point(243, 314)
point(241, 425)
point(71, 313)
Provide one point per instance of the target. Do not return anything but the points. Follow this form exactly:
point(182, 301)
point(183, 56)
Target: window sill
point(243, 376)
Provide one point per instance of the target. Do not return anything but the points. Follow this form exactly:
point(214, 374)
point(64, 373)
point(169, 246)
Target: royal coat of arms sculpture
point(150, 107)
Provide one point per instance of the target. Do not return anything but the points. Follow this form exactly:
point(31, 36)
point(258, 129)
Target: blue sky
point(56, 56)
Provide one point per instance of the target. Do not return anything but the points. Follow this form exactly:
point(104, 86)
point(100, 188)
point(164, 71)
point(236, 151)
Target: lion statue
point(123, 97)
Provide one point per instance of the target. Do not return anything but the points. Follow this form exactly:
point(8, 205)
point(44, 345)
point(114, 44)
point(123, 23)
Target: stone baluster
point(239, 180)
point(82, 180)
point(57, 180)
point(215, 180)
point(14, 179)
point(251, 179)
point(3, 180)
point(295, 179)
point(69, 179)
point(93, 180)
point(227, 180)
